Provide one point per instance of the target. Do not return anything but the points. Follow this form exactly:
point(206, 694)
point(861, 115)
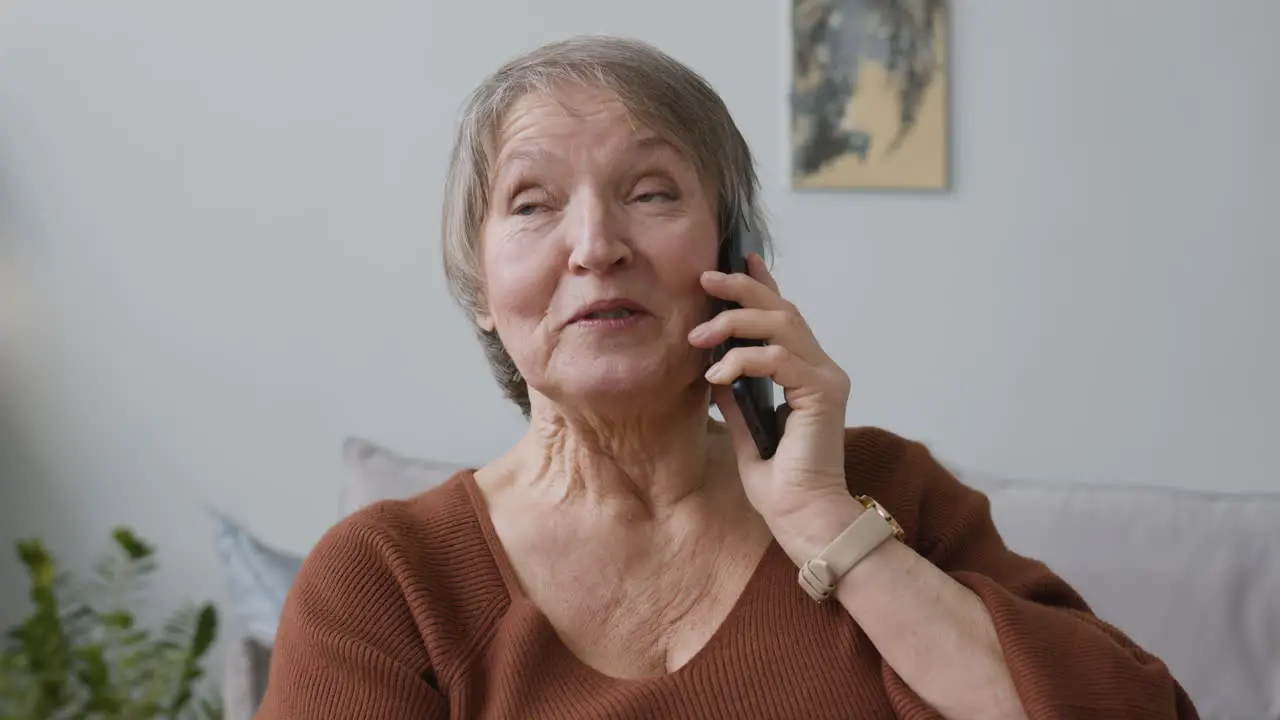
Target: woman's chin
point(620, 391)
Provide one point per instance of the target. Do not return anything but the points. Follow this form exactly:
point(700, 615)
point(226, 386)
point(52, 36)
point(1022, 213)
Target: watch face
point(897, 529)
point(873, 504)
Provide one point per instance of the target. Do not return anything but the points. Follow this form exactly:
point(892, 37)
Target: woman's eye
point(652, 196)
point(527, 209)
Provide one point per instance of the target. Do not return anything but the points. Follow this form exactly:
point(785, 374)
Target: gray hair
point(658, 91)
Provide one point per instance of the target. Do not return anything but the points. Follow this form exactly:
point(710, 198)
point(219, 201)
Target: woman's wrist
point(804, 534)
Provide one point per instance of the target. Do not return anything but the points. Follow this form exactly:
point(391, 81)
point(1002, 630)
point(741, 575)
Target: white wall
point(220, 250)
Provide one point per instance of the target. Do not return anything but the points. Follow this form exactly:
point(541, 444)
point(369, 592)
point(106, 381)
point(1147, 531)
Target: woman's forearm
point(933, 631)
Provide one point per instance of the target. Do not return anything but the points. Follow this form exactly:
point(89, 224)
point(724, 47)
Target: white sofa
point(1193, 577)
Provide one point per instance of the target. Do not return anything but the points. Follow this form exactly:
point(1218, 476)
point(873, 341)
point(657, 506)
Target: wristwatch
point(872, 527)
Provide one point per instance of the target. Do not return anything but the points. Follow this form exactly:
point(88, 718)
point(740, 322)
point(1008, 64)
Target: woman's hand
point(801, 491)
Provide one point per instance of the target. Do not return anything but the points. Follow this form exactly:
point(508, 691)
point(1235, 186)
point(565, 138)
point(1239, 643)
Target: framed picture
point(869, 94)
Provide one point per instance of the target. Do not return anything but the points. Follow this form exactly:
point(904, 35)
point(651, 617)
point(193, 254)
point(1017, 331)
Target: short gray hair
point(659, 92)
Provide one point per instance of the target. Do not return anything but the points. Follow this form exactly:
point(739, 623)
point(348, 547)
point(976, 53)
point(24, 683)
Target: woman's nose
point(598, 238)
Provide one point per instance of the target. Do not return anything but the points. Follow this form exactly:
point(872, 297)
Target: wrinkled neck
point(649, 459)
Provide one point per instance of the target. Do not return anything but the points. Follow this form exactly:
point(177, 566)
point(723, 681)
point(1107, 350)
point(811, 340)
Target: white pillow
point(258, 577)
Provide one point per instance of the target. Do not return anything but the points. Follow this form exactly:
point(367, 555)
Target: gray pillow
point(376, 473)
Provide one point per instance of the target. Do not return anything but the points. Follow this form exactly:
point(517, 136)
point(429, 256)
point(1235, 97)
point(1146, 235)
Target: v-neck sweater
point(409, 609)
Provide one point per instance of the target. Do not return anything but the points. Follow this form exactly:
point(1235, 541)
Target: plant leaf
point(133, 546)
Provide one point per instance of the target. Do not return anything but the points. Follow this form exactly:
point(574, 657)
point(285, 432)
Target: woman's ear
point(484, 321)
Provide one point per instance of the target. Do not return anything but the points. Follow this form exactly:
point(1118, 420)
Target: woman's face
point(596, 235)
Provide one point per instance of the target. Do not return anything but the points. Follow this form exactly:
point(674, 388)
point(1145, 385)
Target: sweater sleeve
point(347, 645)
point(1066, 663)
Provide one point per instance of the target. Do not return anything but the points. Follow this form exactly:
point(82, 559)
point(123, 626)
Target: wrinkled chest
point(777, 655)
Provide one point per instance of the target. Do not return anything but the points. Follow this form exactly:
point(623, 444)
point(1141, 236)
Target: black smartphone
point(754, 394)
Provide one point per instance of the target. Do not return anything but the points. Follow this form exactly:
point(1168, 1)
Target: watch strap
point(819, 575)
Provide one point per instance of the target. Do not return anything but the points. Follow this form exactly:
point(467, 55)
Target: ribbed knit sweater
point(409, 610)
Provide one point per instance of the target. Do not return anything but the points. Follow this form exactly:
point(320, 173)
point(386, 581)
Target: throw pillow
point(258, 577)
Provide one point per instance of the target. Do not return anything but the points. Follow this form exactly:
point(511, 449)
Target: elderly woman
point(631, 557)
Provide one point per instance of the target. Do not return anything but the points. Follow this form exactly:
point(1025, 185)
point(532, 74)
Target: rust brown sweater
point(402, 611)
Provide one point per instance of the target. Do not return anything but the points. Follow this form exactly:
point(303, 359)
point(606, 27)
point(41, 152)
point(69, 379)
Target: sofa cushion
point(376, 473)
point(1193, 577)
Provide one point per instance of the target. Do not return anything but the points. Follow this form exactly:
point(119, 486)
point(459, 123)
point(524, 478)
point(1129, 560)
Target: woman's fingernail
point(713, 372)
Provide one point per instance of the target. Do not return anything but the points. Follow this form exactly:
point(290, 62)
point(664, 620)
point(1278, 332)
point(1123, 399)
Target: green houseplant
point(82, 653)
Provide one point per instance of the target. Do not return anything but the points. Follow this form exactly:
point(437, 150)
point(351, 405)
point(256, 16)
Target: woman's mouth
point(615, 313)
